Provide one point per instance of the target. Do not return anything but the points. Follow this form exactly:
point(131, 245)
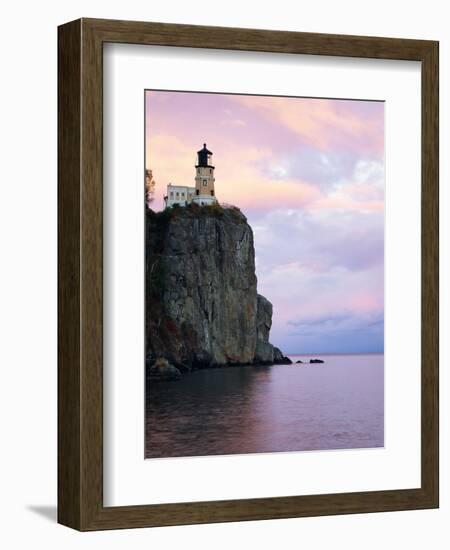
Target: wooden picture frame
point(80, 413)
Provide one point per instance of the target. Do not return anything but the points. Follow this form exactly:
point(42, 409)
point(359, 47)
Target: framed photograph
point(248, 274)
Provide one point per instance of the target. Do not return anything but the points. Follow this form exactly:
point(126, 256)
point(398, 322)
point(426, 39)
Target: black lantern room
point(204, 158)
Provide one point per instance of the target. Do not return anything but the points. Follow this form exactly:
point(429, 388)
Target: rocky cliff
point(202, 306)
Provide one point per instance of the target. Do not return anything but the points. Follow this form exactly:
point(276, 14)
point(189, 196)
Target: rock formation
point(202, 306)
point(264, 351)
point(162, 370)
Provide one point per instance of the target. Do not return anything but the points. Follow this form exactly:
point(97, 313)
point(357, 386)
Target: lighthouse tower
point(204, 178)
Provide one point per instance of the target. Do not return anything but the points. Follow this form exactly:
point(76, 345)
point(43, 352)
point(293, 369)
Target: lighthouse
point(203, 193)
point(204, 178)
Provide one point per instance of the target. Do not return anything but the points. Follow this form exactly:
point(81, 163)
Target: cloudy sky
point(309, 176)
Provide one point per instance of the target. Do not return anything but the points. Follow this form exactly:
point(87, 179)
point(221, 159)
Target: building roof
point(204, 150)
point(184, 187)
point(204, 157)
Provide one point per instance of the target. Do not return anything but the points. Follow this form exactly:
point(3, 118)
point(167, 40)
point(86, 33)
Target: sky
point(309, 175)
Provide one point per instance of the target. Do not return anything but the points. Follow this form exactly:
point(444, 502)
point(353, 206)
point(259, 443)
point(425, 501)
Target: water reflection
point(267, 409)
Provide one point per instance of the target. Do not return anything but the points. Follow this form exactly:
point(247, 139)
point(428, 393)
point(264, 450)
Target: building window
point(171, 194)
point(197, 192)
point(204, 183)
point(182, 194)
point(210, 170)
point(212, 192)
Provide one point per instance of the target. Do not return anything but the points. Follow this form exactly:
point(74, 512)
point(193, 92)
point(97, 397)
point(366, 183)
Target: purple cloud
point(309, 175)
point(318, 240)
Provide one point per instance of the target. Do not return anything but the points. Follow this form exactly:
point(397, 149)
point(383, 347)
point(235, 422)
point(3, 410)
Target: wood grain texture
point(80, 394)
point(430, 273)
point(69, 245)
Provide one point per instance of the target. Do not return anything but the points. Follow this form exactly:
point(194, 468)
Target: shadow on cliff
point(202, 305)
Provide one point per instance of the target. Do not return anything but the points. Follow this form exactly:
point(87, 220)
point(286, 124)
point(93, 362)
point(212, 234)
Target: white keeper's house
point(203, 193)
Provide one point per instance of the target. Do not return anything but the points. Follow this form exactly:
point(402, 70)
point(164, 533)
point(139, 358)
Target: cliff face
point(202, 306)
point(264, 350)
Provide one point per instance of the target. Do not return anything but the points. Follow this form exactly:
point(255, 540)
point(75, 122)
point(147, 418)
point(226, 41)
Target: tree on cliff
point(150, 186)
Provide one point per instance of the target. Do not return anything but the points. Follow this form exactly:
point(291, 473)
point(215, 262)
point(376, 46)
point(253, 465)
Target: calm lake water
point(335, 405)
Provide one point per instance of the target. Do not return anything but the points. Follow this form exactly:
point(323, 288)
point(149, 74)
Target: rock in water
point(202, 306)
point(162, 370)
point(316, 361)
point(279, 358)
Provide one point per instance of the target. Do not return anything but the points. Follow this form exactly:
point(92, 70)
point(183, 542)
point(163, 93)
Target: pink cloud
point(324, 123)
point(309, 175)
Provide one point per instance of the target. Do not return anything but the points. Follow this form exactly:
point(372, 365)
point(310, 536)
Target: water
point(335, 405)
